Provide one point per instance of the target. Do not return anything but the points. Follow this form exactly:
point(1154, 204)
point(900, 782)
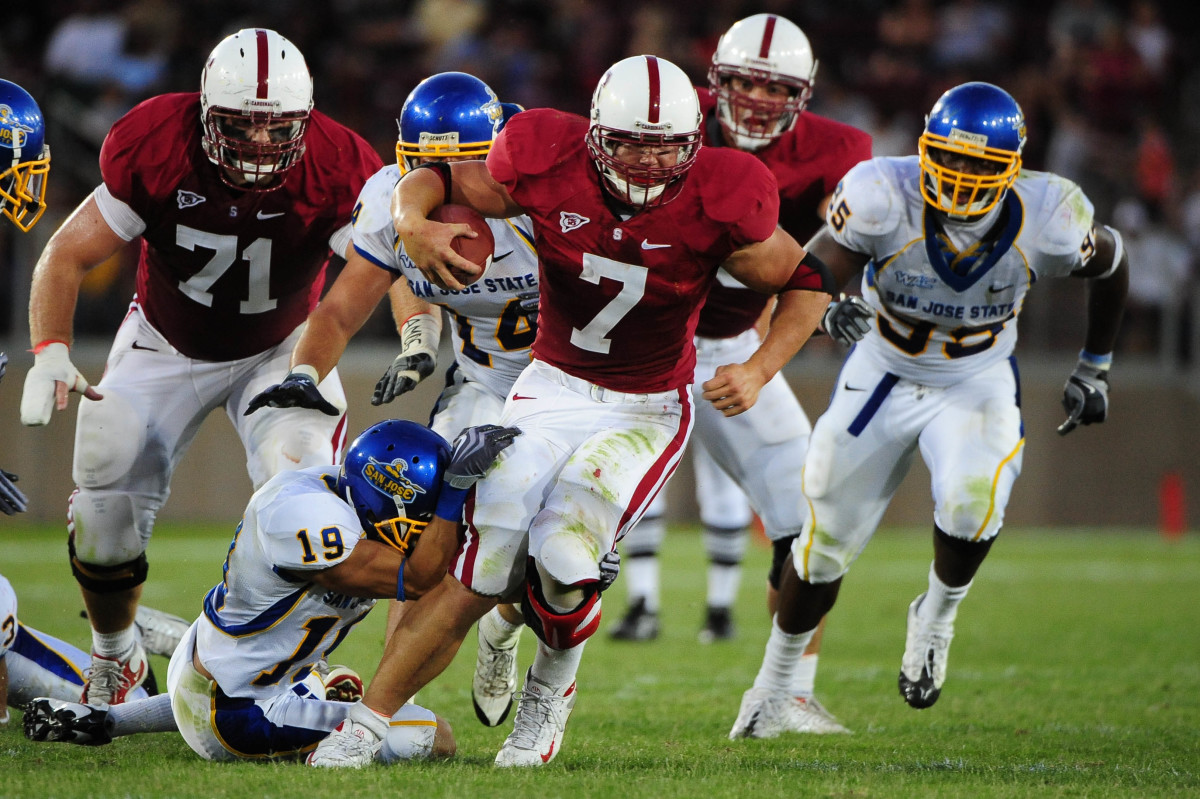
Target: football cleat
point(109, 681)
point(766, 713)
point(160, 632)
point(353, 743)
point(926, 652)
point(639, 624)
point(68, 722)
point(495, 682)
point(342, 684)
point(809, 715)
point(718, 626)
point(541, 721)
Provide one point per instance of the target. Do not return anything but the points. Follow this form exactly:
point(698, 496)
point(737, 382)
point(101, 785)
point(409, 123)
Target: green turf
point(1075, 672)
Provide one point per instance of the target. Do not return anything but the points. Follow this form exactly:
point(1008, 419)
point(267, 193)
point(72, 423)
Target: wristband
point(306, 370)
point(1095, 361)
point(450, 503)
point(400, 581)
point(41, 345)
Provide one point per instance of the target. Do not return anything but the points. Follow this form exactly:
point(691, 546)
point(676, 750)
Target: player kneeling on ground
point(314, 550)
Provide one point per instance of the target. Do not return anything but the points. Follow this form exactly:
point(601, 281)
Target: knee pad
point(108, 528)
point(559, 630)
point(410, 735)
point(104, 579)
point(108, 437)
point(779, 551)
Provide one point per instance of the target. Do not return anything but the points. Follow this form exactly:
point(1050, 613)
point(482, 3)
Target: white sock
point(641, 578)
point(117, 645)
point(723, 583)
point(147, 715)
point(941, 602)
point(805, 676)
point(780, 659)
point(557, 667)
point(498, 631)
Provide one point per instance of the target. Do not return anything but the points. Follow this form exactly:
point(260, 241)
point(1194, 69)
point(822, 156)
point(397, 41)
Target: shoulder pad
point(733, 183)
point(872, 195)
point(1065, 215)
point(373, 212)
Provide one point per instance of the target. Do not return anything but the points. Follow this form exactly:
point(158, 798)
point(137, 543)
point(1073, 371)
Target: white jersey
point(947, 307)
point(491, 337)
point(8, 616)
point(261, 631)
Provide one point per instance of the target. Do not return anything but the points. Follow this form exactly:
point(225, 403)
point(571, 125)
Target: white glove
point(51, 365)
point(848, 319)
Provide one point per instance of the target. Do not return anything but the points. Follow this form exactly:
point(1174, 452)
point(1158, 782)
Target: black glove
point(610, 567)
point(528, 303)
point(296, 391)
point(475, 449)
point(847, 319)
point(3, 363)
point(1085, 396)
point(402, 376)
point(11, 499)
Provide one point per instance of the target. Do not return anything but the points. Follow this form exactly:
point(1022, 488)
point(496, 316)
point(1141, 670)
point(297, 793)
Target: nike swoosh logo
point(137, 346)
point(994, 289)
point(521, 397)
point(849, 387)
point(646, 245)
point(496, 258)
point(549, 754)
point(262, 215)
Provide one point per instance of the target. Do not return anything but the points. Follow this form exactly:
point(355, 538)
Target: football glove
point(298, 390)
point(610, 567)
point(1085, 396)
point(528, 302)
point(3, 364)
point(51, 364)
point(419, 336)
point(847, 319)
point(11, 499)
point(475, 449)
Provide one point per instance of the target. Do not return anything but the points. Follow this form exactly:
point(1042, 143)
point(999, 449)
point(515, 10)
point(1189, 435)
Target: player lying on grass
point(314, 550)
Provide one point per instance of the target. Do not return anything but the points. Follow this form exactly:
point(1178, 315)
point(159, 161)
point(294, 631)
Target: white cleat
point(160, 632)
point(810, 716)
point(495, 682)
point(766, 713)
point(926, 653)
point(541, 721)
point(354, 743)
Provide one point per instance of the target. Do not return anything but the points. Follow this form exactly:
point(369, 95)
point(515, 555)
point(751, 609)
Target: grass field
point(1075, 672)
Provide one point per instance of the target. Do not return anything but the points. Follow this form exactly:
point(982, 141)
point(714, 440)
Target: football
point(478, 250)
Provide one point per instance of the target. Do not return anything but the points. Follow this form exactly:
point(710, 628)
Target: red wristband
point(41, 345)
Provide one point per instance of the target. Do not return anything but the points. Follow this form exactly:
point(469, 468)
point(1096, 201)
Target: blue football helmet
point(24, 156)
point(391, 476)
point(970, 152)
point(448, 115)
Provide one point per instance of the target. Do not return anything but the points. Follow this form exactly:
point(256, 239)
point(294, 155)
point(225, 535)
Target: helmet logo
point(12, 131)
point(390, 479)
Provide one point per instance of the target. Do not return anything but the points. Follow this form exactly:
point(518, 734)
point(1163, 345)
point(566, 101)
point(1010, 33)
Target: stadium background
point(1111, 89)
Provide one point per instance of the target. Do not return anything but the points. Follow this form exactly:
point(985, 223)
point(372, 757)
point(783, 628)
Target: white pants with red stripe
point(586, 467)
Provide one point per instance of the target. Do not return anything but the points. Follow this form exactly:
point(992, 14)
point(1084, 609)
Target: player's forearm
point(796, 316)
point(1105, 306)
point(428, 562)
point(417, 193)
point(53, 296)
point(322, 343)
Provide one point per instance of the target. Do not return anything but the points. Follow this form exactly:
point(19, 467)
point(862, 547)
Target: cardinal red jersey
point(620, 297)
point(808, 161)
point(225, 274)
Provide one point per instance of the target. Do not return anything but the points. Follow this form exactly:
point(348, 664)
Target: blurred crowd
point(1111, 90)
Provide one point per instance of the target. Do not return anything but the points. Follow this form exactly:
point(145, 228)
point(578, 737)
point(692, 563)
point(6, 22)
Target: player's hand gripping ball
point(478, 250)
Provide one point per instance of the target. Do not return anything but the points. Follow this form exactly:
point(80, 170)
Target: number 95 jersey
point(947, 294)
point(492, 339)
point(261, 631)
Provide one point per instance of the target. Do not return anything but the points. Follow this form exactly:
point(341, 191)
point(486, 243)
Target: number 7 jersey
point(948, 294)
point(264, 626)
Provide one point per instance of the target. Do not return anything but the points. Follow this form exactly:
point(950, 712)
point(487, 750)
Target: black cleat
point(639, 624)
point(67, 722)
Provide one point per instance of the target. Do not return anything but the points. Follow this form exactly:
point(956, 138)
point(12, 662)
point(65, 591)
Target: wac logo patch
point(187, 199)
point(569, 221)
point(390, 480)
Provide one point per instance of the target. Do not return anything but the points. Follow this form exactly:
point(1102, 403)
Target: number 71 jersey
point(264, 627)
point(948, 294)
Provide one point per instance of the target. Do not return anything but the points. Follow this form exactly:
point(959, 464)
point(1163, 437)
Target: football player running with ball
point(632, 219)
point(238, 193)
point(951, 240)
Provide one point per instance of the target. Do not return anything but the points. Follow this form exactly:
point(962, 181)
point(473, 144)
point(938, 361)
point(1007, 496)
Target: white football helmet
point(763, 49)
point(255, 78)
point(644, 101)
